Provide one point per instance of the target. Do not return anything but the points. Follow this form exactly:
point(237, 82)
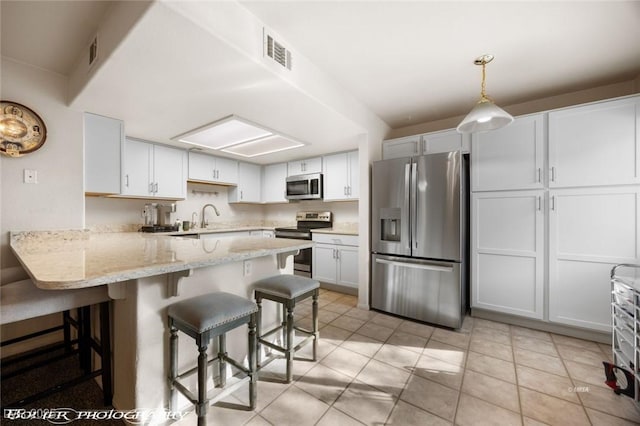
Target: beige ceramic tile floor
point(376, 369)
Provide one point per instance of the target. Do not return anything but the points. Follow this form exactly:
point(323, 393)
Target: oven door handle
point(294, 235)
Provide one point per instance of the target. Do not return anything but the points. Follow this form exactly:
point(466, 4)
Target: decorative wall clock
point(21, 130)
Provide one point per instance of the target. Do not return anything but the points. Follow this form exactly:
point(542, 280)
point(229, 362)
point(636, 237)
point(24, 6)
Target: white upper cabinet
point(401, 147)
point(137, 175)
point(151, 170)
point(595, 144)
point(590, 231)
point(445, 141)
point(248, 189)
point(341, 176)
point(207, 168)
point(274, 183)
point(303, 167)
point(169, 172)
point(511, 157)
point(226, 170)
point(103, 137)
point(428, 143)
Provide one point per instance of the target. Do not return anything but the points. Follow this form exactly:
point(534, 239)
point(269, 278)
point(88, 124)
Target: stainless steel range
point(306, 221)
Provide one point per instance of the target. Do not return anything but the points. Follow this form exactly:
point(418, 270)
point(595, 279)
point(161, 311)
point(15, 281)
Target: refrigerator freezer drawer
point(429, 291)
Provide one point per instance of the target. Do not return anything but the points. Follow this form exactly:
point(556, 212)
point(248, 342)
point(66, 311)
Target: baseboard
point(580, 333)
point(339, 288)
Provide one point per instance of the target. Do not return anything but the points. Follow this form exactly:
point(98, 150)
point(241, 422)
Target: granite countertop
point(216, 230)
point(338, 231)
point(78, 259)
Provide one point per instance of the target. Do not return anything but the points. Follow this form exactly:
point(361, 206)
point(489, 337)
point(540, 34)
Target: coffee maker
point(157, 218)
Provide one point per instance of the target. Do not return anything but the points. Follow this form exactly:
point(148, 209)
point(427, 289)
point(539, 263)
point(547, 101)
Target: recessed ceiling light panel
point(267, 145)
point(223, 133)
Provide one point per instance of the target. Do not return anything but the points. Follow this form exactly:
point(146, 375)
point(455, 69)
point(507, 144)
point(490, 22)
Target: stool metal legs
point(173, 367)
point(314, 313)
point(289, 352)
point(222, 365)
point(258, 322)
point(253, 369)
point(287, 328)
point(203, 403)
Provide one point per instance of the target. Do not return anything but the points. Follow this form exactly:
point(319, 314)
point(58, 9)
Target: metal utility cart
point(625, 311)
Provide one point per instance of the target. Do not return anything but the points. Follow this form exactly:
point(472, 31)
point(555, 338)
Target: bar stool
point(203, 318)
point(287, 290)
point(22, 300)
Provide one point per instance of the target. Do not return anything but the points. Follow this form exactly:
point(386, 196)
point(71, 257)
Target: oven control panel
point(314, 216)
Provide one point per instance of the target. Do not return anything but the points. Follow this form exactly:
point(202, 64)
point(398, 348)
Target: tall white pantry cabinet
point(554, 207)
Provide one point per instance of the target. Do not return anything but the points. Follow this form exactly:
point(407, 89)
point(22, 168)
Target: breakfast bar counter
point(58, 260)
point(144, 274)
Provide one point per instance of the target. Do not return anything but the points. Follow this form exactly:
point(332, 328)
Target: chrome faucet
point(203, 223)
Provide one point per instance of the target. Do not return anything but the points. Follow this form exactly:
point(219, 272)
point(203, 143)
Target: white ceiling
point(412, 62)
point(407, 62)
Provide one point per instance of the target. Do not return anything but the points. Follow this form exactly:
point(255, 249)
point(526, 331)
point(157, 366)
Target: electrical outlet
point(247, 268)
point(30, 176)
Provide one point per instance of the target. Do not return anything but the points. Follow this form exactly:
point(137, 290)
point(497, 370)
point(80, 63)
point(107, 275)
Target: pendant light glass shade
point(486, 115)
point(483, 117)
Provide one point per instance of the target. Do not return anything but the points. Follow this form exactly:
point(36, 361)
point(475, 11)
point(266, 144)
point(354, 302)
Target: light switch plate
point(246, 268)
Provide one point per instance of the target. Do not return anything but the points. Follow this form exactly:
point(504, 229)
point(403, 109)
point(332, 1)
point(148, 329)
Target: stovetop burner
point(306, 221)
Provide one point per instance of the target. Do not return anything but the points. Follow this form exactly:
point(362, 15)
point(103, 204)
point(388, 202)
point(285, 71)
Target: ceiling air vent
point(276, 51)
point(93, 51)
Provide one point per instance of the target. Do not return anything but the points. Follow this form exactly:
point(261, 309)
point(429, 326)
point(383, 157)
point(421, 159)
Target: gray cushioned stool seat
point(286, 286)
point(212, 310)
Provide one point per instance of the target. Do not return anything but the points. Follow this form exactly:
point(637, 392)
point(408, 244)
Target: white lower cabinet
point(508, 252)
point(335, 259)
point(590, 230)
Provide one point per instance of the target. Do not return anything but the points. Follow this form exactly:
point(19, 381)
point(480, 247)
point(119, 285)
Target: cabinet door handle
point(348, 190)
point(151, 188)
point(553, 174)
point(539, 202)
point(553, 202)
point(337, 254)
point(156, 188)
point(241, 195)
point(126, 179)
point(539, 175)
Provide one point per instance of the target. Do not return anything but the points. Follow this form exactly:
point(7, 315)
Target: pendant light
point(486, 115)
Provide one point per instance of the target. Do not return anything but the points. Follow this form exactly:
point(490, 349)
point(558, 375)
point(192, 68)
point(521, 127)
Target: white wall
point(56, 201)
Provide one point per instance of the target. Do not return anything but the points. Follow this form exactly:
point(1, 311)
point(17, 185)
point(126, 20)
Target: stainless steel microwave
point(304, 187)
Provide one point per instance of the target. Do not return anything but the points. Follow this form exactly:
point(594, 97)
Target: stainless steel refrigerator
point(419, 237)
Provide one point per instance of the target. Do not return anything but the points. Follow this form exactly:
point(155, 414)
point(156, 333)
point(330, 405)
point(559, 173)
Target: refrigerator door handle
point(407, 205)
point(414, 204)
point(416, 265)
